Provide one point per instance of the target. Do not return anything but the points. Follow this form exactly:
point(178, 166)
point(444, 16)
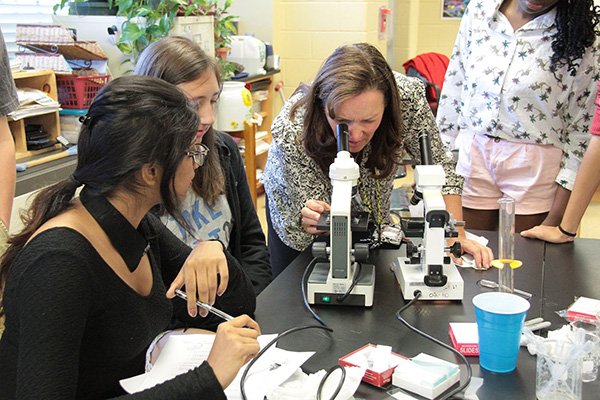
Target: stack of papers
point(33, 102)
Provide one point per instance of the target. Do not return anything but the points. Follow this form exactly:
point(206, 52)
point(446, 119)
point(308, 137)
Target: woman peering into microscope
point(385, 113)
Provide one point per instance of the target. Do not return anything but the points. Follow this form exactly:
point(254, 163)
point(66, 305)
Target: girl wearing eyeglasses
point(218, 206)
point(86, 284)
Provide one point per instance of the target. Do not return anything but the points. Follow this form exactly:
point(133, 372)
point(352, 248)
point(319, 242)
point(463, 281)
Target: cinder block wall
point(421, 29)
point(306, 32)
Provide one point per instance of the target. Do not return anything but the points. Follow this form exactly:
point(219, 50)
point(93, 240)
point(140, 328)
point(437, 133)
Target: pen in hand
point(207, 307)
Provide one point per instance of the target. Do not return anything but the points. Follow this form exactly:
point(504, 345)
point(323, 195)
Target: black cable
point(340, 383)
point(271, 343)
point(310, 267)
point(436, 341)
point(354, 282)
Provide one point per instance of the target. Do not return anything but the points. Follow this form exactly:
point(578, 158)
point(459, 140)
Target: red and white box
point(374, 376)
point(584, 308)
point(465, 338)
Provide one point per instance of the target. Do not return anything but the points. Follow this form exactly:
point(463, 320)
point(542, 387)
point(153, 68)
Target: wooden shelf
point(252, 159)
point(45, 81)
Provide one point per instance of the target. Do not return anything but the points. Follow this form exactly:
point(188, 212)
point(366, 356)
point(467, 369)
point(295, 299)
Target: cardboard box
point(379, 379)
point(465, 337)
point(584, 308)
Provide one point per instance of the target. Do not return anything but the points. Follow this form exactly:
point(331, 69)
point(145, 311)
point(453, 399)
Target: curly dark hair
point(576, 22)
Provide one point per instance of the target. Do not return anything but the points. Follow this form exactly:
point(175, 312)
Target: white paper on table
point(467, 259)
point(182, 353)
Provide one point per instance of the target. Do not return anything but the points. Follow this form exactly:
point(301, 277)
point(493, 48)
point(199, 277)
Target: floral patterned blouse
point(499, 83)
point(291, 177)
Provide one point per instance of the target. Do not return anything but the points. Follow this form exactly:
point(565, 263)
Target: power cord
point(357, 272)
point(417, 295)
point(304, 283)
point(340, 298)
point(340, 384)
point(272, 342)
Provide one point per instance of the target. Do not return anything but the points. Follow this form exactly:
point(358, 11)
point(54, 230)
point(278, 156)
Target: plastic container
point(250, 52)
point(235, 107)
point(558, 375)
point(78, 92)
point(70, 124)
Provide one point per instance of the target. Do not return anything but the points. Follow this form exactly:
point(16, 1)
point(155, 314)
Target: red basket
point(78, 91)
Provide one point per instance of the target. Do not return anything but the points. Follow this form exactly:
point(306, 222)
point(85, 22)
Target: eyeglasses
point(198, 155)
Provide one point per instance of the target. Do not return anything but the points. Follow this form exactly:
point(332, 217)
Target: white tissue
point(304, 387)
point(381, 358)
point(467, 259)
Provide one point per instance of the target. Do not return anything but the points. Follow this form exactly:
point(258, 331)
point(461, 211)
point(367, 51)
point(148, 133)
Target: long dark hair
point(348, 72)
point(576, 22)
point(133, 121)
point(177, 60)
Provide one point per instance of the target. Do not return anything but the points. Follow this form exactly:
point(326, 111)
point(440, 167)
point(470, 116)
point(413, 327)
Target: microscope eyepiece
point(342, 138)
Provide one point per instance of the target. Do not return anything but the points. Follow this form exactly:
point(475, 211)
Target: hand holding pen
point(207, 307)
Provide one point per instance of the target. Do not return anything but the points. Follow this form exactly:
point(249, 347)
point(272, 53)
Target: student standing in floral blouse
point(518, 101)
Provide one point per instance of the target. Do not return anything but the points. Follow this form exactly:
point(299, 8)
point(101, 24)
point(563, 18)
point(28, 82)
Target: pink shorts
point(494, 168)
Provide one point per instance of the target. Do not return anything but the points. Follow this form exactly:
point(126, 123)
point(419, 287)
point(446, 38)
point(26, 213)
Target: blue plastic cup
point(500, 317)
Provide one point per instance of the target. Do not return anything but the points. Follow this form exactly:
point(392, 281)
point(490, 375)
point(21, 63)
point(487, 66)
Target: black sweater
point(247, 243)
point(74, 328)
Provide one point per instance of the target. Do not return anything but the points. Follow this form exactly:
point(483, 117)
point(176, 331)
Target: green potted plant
point(146, 22)
point(224, 29)
point(149, 20)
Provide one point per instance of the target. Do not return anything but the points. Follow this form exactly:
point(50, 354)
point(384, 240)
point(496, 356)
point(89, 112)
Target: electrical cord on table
point(272, 342)
point(417, 295)
point(305, 275)
point(340, 299)
point(340, 384)
point(354, 282)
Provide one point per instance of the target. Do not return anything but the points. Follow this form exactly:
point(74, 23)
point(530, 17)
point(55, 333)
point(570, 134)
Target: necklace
point(128, 241)
point(366, 198)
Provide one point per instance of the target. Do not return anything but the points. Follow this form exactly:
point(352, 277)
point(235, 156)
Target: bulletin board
point(453, 8)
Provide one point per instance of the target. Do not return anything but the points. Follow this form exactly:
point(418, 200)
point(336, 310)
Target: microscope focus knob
point(319, 250)
point(361, 252)
point(456, 249)
point(411, 249)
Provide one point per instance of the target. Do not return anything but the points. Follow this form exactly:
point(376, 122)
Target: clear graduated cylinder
point(506, 244)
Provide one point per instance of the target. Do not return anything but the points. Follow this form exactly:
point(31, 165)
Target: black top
point(74, 328)
point(247, 242)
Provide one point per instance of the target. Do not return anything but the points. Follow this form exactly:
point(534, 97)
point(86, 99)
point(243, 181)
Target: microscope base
point(411, 278)
point(328, 291)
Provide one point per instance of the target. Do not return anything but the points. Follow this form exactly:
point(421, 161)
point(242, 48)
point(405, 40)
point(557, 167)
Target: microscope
point(426, 267)
point(344, 279)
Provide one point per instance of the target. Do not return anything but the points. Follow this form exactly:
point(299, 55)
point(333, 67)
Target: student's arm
point(7, 171)
point(561, 199)
point(588, 180)
point(482, 255)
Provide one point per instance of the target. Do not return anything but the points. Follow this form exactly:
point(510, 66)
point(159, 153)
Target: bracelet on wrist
point(560, 228)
